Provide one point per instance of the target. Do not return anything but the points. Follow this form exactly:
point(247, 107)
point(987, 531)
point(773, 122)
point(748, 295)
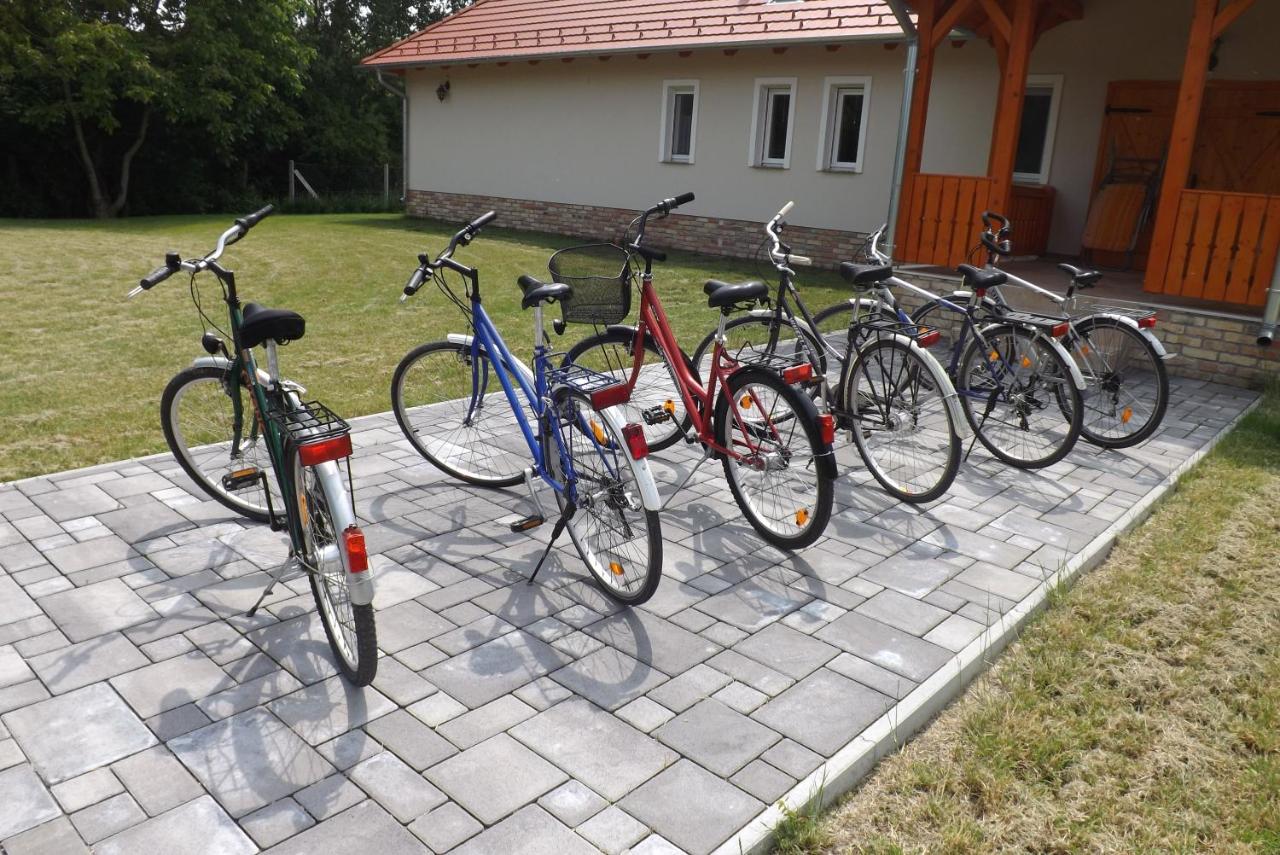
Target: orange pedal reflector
point(251, 472)
point(1084, 349)
point(802, 516)
point(746, 402)
point(615, 568)
point(993, 356)
point(599, 432)
point(670, 406)
point(1026, 362)
point(1126, 415)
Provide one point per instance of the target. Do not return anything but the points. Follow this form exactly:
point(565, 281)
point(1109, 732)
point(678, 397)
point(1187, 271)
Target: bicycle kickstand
point(271, 586)
point(569, 510)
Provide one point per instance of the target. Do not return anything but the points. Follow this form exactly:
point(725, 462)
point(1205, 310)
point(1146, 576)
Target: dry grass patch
point(1139, 713)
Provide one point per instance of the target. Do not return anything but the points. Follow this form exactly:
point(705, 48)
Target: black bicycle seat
point(862, 275)
point(722, 294)
point(977, 279)
point(536, 292)
point(1080, 276)
point(261, 324)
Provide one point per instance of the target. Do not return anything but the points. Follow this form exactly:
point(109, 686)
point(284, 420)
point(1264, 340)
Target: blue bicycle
point(448, 397)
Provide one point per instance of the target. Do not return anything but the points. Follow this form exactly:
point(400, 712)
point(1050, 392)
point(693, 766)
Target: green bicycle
point(227, 449)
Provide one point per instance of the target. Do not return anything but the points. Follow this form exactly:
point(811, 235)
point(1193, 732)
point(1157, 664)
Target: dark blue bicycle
point(454, 400)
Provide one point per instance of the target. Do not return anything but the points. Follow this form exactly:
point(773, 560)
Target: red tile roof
point(492, 30)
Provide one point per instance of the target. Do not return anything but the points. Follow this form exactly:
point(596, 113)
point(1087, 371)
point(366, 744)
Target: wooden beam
point(999, 20)
point(949, 20)
point(1229, 15)
point(1009, 101)
point(926, 16)
point(1182, 139)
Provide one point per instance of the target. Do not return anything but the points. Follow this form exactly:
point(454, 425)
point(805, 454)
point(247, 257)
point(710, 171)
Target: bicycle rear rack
point(312, 422)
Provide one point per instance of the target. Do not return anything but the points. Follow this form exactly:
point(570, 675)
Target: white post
point(292, 188)
point(386, 185)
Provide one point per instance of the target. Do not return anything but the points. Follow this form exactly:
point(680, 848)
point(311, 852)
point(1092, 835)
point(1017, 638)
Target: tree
point(103, 72)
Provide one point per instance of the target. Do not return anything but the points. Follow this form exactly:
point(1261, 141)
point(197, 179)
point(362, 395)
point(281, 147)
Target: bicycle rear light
point(927, 337)
point(634, 435)
point(801, 373)
point(1147, 323)
point(1059, 330)
point(827, 424)
point(357, 555)
point(610, 396)
point(334, 448)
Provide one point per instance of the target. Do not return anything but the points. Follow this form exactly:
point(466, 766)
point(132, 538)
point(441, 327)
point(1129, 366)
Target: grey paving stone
point(276, 822)
point(249, 761)
point(472, 635)
point(172, 683)
point(26, 802)
point(330, 796)
point(436, 709)
point(107, 818)
point(656, 844)
point(445, 827)
point(144, 522)
point(493, 669)
point(495, 778)
point(594, 747)
point(320, 712)
point(21, 695)
point(740, 697)
point(609, 678)
point(176, 722)
point(197, 826)
point(19, 556)
point(903, 612)
point(87, 789)
point(412, 741)
point(157, 780)
point(754, 604)
point(75, 557)
point(653, 640)
point(999, 581)
point(531, 831)
point(716, 737)
point(395, 786)
point(573, 803)
point(96, 609)
point(955, 633)
point(824, 711)
point(688, 688)
point(872, 675)
point(248, 694)
point(645, 714)
point(349, 749)
point(787, 651)
point(478, 725)
point(408, 623)
point(13, 669)
point(759, 677)
point(134, 485)
point(886, 646)
point(691, 807)
point(68, 504)
point(763, 781)
point(612, 831)
point(73, 733)
point(57, 837)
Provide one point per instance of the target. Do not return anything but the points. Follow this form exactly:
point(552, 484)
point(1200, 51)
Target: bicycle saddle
point(536, 292)
point(977, 279)
point(722, 294)
point(1080, 276)
point(279, 325)
point(864, 274)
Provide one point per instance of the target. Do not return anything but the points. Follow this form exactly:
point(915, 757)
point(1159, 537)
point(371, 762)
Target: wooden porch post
point(1182, 140)
point(1014, 62)
point(926, 18)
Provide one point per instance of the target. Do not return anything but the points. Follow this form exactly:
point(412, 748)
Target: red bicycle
point(775, 446)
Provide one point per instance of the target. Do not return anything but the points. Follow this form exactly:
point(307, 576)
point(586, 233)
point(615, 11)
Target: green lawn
point(82, 369)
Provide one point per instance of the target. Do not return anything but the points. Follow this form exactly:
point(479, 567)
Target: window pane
point(1034, 132)
point(776, 140)
point(849, 126)
point(682, 125)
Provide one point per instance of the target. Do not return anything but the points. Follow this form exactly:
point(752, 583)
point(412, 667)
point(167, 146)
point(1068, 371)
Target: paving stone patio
point(140, 711)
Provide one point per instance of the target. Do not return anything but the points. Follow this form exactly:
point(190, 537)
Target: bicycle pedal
point(659, 414)
point(527, 523)
point(241, 478)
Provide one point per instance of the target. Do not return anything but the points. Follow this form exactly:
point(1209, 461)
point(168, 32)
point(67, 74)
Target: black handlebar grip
point(998, 247)
point(682, 199)
point(483, 220)
point(527, 282)
point(415, 282)
point(155, 277)
point(256, 217)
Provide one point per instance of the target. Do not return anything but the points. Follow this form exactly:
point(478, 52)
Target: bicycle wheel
point(900, 420)
point(949, 324)
point(1018, 396)
point(783, 482)
point(612, 352)
point(620, 541)
point(198, 418)
point(752, 337)
point(1127, 385)
point(452, 409)
point(833, 326)
point(349, 627)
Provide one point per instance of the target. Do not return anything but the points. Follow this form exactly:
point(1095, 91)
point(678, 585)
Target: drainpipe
point(401, 92)
point(904, 120)
point(1272, 312)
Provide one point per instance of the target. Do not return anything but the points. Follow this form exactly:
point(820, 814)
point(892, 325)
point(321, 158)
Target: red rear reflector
point(827, 424)
point(357, 555)
point(928, 338)
point(610, 396)
point(797, 374)
point(1059, 330)
point(1148, 323)
point(315, 453)
point(634, 435)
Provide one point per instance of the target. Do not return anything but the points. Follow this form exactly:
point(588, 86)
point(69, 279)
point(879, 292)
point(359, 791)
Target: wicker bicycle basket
point(600, 275)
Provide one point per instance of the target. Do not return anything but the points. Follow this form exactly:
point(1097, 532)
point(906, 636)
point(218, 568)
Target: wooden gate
point(942, 217)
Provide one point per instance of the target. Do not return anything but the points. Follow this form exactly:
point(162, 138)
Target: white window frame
point(831, 121)
point(1054, 83)
point(670, 88)
point(760, 127)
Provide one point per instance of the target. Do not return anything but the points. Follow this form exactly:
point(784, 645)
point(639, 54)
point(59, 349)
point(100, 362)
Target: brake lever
point(137, 289)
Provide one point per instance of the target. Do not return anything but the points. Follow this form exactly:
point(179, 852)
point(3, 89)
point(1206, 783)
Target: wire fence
point(330, 184)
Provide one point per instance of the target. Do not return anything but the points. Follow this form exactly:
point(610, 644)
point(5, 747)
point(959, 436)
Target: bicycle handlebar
point(445, 259)
point(666, 206)
point(173, 263)
point(988, 216)
point(779, 253)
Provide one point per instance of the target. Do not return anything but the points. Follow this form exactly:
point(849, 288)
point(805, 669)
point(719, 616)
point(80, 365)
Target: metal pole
point(1267, 334)
point(292, 188)
point(402, 93)
point(386, 185)
point(900, 151)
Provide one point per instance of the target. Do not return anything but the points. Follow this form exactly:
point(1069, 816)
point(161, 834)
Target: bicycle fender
point(1077, 378)
point(644, 475)
point(1155, 343)
point(465, 340)
point(940, 378)
point(221, 362)
point(334, 483)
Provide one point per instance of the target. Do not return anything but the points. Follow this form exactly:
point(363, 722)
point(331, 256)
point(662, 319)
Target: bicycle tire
point(994, 397)
point(603, 527)
point(487, 449)
point(813, 351)
point(810, 510)
point(197, 456)
point(615, 348)
point(349, 628)
point(1100, 413)
point(907, 364)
